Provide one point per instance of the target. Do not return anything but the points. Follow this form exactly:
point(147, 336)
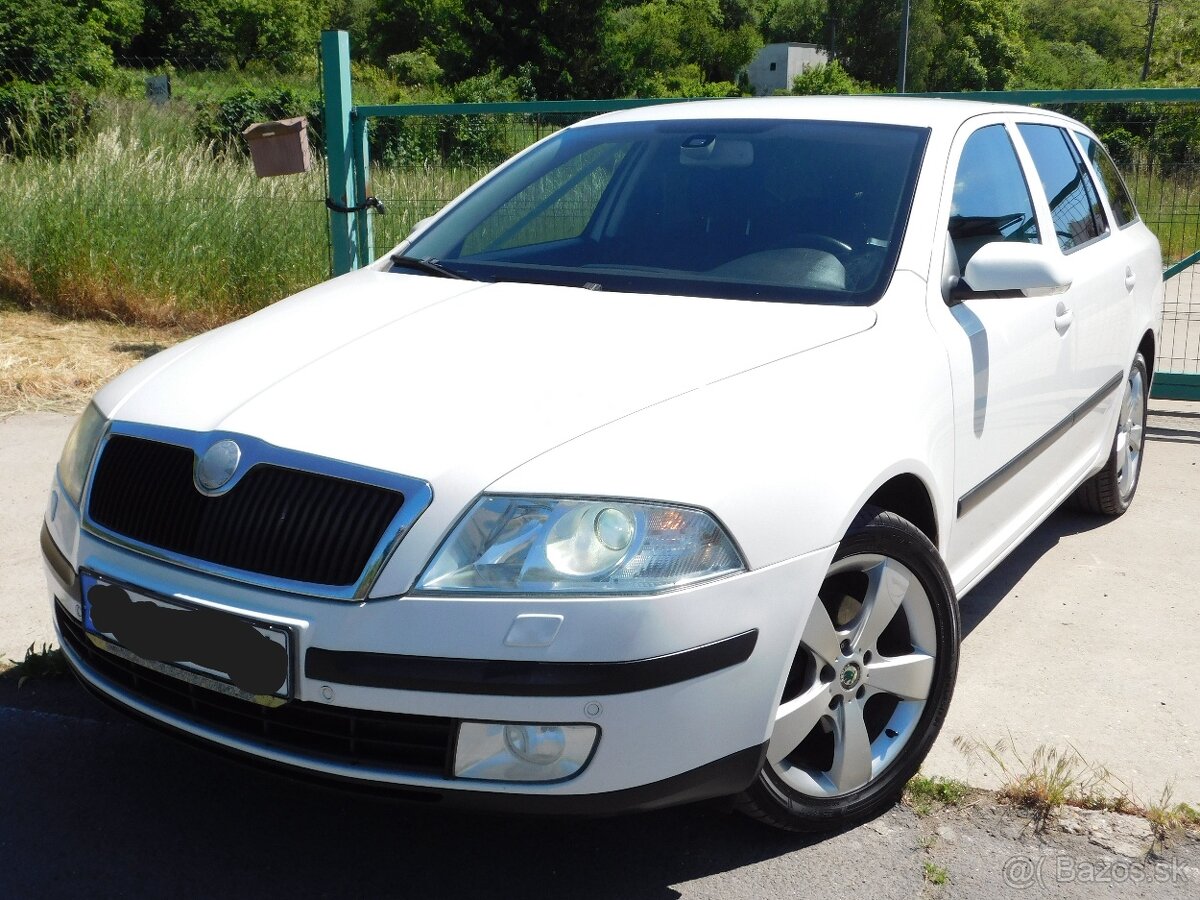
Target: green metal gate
point(438, 150)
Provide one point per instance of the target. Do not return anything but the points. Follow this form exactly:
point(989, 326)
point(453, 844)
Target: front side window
point(1074, 204)
point(1110, 180)
point(991, 198)
point(758, 209)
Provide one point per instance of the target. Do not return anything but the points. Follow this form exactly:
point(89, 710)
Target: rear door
point(1134, 244)
point(1095, 310)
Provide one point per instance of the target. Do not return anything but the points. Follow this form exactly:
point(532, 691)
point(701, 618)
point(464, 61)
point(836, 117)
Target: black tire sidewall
point(1139, 362)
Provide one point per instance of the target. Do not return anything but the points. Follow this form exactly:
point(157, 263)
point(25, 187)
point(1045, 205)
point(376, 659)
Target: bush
point(41, 119)
point(52, 55)
point(220, 124)
point(827, 79)
point(416, 67)
point(455, 140)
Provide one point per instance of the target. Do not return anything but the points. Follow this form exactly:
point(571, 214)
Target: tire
point(851, 730)
point(1110, 491)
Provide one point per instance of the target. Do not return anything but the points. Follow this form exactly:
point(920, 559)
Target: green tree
point(827, 79)
point(435, 27)
point(213, 33)
point(653, 46)
point(1056, 65)
point(981, 46)
point(555, 42)
point(796, 20)
point(868, 34)
point(53, 53)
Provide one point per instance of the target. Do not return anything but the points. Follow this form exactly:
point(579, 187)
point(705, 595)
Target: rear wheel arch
point(1146, 348)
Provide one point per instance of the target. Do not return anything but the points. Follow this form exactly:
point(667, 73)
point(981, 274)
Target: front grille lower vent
point(278, 522)
point(405, 743)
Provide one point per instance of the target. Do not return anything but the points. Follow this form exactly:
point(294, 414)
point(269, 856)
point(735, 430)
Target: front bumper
point(681, 686)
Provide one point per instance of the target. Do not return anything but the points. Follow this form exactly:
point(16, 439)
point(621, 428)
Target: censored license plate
point(252, 657)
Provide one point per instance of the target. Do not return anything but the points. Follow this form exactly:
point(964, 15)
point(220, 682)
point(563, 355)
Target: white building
point(775, 65)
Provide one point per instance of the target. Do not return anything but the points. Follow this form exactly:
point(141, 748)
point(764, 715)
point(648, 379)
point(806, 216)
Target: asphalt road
point(94, 806)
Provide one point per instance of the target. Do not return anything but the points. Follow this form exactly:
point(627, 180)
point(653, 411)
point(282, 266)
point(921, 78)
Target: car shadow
point(986, 596)
point(1175, 426)
point(114, 809)
point(140, 349)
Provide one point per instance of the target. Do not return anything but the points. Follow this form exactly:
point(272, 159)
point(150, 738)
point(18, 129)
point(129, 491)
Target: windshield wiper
point(428, 266)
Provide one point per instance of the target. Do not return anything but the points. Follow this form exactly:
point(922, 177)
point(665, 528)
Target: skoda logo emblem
point(849, 677)
point(217, 465)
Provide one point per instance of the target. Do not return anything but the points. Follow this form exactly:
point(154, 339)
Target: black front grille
point(416, 744)
point(274, 521)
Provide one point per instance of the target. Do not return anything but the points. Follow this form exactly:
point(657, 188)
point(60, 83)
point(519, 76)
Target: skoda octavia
point(649, 470)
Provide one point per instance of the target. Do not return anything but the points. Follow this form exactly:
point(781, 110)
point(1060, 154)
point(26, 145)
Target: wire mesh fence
point(143, 186)
point(1157, 147)
point(424, 162)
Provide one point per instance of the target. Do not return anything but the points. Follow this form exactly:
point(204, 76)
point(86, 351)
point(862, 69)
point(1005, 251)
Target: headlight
point(80, 448)
point(543, 544)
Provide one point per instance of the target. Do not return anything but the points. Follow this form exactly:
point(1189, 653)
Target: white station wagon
point(649, 470)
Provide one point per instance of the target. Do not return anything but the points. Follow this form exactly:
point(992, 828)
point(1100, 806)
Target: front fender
point(784, 455)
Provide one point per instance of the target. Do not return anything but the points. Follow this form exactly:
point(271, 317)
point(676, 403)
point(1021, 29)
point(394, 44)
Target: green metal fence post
point(339, 153)
point(362, 183)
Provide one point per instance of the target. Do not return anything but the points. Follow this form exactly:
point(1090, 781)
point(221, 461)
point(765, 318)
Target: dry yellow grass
point(48, 363)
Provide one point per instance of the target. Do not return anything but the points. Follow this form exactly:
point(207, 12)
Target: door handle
point(1130, 278)
point(1063, 317)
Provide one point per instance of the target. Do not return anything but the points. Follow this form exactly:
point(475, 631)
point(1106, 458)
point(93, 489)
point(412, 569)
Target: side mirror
point(1003, 267)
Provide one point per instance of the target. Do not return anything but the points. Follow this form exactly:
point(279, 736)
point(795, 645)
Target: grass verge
point(47, 662)
point(925, 794)
point(50, 364)
point(1048, 779)
point(933, 873)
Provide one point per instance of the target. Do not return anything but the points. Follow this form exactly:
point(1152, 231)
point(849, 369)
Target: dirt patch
point(54, 364)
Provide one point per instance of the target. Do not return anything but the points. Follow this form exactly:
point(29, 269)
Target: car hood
point(457, 382)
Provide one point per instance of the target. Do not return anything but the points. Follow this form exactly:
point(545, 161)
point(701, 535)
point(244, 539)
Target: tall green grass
point(146, 225)
point(159, 233)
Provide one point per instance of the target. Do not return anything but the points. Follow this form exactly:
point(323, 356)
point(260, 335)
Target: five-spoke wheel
point(869, 685)
point(1110, 491)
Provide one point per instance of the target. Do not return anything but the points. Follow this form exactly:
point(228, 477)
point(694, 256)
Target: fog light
point(500, 751)
point(537, 744)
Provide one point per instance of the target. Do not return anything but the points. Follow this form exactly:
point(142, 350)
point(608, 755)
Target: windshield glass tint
point(746, 209)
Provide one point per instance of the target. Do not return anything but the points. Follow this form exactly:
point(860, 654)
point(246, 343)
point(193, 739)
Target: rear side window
point(991, 199)
point(1110, 180)
point(1074, 203)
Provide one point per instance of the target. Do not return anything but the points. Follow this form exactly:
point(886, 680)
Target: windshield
point(793, 210)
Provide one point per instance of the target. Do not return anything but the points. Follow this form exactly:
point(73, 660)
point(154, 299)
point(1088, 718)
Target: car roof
point(921, 111)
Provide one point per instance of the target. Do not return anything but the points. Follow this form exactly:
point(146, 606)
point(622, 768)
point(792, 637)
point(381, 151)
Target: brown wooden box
point(279, 148)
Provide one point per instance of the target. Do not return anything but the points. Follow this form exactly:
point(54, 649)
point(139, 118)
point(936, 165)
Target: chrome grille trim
point(417, 493)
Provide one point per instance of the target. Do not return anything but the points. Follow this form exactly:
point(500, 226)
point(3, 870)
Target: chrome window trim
point(418, 494)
